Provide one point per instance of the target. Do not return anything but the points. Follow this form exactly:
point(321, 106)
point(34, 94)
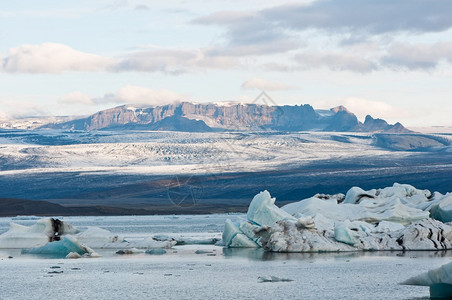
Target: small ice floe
point(272, 279)
point(73, 255)
point(202, 252)
point(129, 251)
point(439, 280)
point(156, 251)
point(183, 240)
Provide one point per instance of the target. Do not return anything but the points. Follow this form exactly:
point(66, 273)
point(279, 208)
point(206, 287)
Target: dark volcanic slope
point(227, 192)
point(14, 207)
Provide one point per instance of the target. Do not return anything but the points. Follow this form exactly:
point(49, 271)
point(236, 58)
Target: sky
point(390, 59)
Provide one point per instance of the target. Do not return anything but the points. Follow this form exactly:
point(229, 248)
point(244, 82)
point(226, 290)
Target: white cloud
point(12, 109)
point(4, 116)
point(265, 85)
point(142, 95)
point(377, 109)
point(76, 98)
point(172, 61)
point(51, 58)
point(418, 56)
point(128, 94)
point(339, 61)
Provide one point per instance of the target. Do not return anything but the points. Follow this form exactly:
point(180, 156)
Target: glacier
point(399, 217)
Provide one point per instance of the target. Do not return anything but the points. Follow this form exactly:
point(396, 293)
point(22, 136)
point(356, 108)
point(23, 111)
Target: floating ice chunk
point(129, 251)
point(73, 255)
point(150, 242)
point(234, 238)
point(439, 280)
point(157, 251)
point(263, 211)
point(273, 279)
point(39, 234)
point(97, 237)
point(59, 249)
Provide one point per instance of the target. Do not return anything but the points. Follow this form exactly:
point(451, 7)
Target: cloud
point(379, 109)
point(4, 116)
point(283, 28)
point(12, 109)
point(51, 58)
point(141, 7)
point(384, 16)
point(76, 98)
point(418, 56)
point(171, 61)
point(338, 61)
point(128, 94)
point(248, 33)
point(265, 85)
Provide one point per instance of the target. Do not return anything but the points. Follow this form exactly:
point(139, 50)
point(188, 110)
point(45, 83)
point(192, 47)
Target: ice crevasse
point(399, 217)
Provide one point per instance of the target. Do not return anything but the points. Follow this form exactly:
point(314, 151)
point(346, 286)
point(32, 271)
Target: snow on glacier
point(180, 152)
point(393, 218)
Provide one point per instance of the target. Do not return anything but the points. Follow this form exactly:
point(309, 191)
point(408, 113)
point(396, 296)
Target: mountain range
point(205, 117)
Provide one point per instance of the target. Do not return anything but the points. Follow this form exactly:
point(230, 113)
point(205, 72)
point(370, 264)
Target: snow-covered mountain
point(204, 117)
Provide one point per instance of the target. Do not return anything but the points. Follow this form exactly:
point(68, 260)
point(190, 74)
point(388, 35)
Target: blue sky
point(390, 59)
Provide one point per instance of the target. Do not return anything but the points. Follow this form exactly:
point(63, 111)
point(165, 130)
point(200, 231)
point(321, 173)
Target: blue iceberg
point(59, 249)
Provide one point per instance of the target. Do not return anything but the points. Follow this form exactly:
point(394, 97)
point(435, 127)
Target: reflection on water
point(260, 254)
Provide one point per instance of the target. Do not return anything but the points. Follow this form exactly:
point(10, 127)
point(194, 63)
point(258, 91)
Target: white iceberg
point(49, 230)
point(39, 234)
point(439, 280)
point(234, 238)
point(100, 238)
point(393, 218)
point(263, 211)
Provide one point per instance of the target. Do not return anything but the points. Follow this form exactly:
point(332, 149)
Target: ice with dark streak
point(44, 234)
point(400, 217)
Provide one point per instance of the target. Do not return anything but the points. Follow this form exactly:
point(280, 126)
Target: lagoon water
point(216, 272)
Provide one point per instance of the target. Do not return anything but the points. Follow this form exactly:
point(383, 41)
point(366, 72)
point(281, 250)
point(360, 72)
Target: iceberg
point(49, 230)
point(439, 280)
point(60, 249)
point(400, 217)
point(263, 211)
point(234, 238)
point(157, 251)
point(44, 231)
point(100, 238)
